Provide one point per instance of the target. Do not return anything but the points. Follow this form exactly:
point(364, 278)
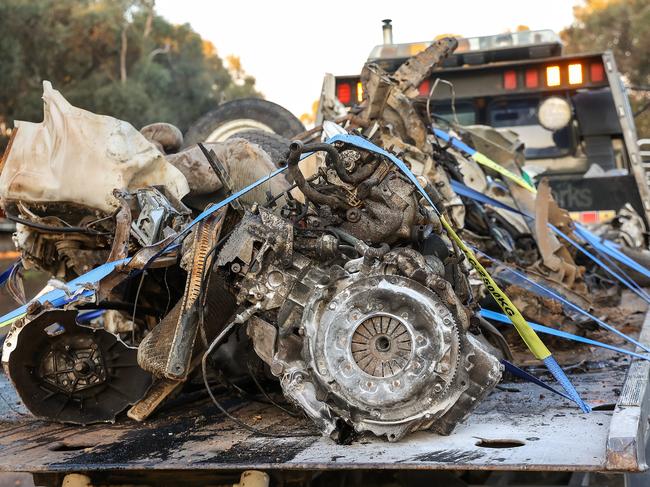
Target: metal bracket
point(222, 173)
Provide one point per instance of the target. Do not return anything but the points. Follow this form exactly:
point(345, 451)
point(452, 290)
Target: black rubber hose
point(296, 149)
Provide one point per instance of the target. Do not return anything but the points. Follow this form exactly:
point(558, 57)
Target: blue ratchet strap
point(209, 211)
point(522, 374)
point(610, 249)
point(606, 247)
point(59, 297)
point(621, 276)
point(456, 143)
point(87, 316)
point(483, 160)
point(501, 318)
point(549, 361)
point(527, 283)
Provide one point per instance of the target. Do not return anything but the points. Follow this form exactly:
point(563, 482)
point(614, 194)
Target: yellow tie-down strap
point(483, 160)
point(489, 163)
point(528, 335)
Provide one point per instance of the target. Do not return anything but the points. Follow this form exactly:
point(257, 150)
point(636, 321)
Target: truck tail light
point(359, 92)
point(552, 76)
point(344, 93)
point(510, 80)
point(532, 78)
point(575, 74)
point(424, 88)
point(597, 73)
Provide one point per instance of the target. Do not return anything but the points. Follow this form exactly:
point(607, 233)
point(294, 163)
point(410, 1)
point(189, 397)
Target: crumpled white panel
point(81, 157)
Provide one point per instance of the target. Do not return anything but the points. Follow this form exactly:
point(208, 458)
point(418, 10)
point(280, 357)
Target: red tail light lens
point(597, 73)
point(424, 88)
point(344, 93)
point(532, 78)
point(510, 80)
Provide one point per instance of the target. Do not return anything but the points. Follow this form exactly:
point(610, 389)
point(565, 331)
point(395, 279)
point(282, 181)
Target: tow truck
point(571, 112)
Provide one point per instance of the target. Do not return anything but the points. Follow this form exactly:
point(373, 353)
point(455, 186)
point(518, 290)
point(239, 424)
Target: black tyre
point(276, 146)
point(242, 115)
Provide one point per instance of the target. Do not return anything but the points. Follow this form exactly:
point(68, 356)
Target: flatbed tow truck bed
point(519, 427)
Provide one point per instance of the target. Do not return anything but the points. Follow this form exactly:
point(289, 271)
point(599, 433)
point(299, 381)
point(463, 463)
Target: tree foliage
point(115, 57)
point(622, 26)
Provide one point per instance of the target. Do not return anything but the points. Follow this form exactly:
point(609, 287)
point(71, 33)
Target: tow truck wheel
point(276, 146)
point(242, 115)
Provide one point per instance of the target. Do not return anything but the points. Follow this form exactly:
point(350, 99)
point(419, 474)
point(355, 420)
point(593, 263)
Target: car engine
point(357, 301)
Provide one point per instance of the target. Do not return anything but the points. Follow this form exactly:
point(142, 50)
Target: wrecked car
point(333, 268)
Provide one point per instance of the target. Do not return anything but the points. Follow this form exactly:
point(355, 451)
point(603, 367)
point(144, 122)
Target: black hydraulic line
point(54, 229)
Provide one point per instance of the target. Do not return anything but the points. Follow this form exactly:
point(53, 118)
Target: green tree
point(115, 57)
point(622, 26)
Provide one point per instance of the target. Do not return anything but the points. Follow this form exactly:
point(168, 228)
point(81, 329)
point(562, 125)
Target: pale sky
point(289, 45)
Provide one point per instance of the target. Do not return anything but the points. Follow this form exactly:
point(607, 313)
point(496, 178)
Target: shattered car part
point(555, 256)
point(157, 217)
point(69, 373)
point(351, 295)
point(627, 228)
point(389, 104)
point(49, 186)
point(58, 160)
point(245, 162)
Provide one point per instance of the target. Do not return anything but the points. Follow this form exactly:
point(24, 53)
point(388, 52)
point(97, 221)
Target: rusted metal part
point(555, 256)
point(137, 262)
point(245, 163)
point(70, 373)
point(416, 69)
point(377, 87)
point(222, 174)
point(167, 350)
point(160, 390)
point(404, 117)
point(399, 301)
point(386, 103)
point(557, 262)
point(388, 100)
point(120, 246)
point(329, 107)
